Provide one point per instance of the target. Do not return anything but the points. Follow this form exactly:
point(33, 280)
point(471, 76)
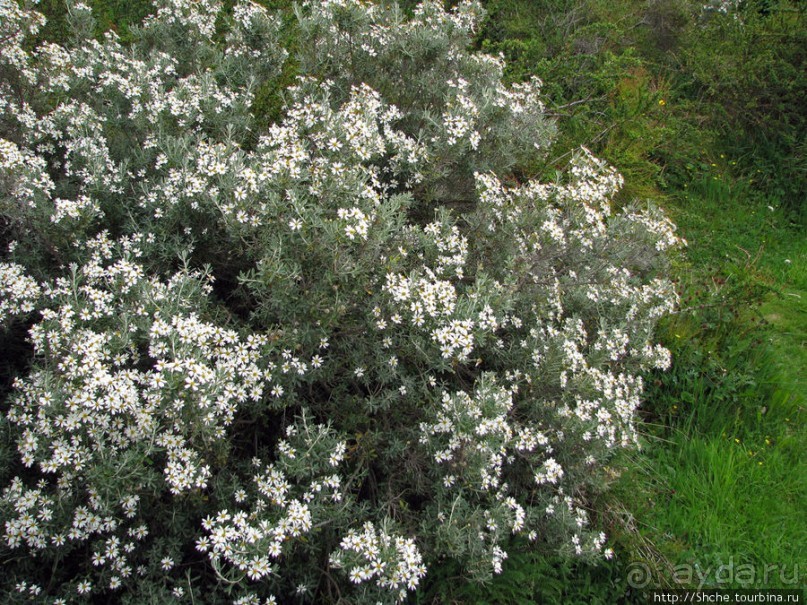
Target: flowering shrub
point(304, 359)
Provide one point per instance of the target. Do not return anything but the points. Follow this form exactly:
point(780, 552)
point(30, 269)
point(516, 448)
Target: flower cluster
point(18, 292)
point(198, 372)
point(393, 562)
point(457, 105)
point(452, 249)
point(17, 25)
point(472, 434)
point(722, 7)
point(357, 223)
point(24, 178)
point(254, 542)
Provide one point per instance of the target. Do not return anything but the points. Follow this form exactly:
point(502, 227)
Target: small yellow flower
point(662, 102)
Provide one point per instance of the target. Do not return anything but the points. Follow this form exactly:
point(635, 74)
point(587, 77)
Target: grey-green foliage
point(350, 44)
point(314, 357)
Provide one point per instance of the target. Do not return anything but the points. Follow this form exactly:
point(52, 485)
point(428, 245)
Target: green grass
point(710, 498)
point(723, 477)
point(712, 501)
point(531, 577)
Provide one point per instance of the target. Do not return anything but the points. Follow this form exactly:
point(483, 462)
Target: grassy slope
point(723, 478)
